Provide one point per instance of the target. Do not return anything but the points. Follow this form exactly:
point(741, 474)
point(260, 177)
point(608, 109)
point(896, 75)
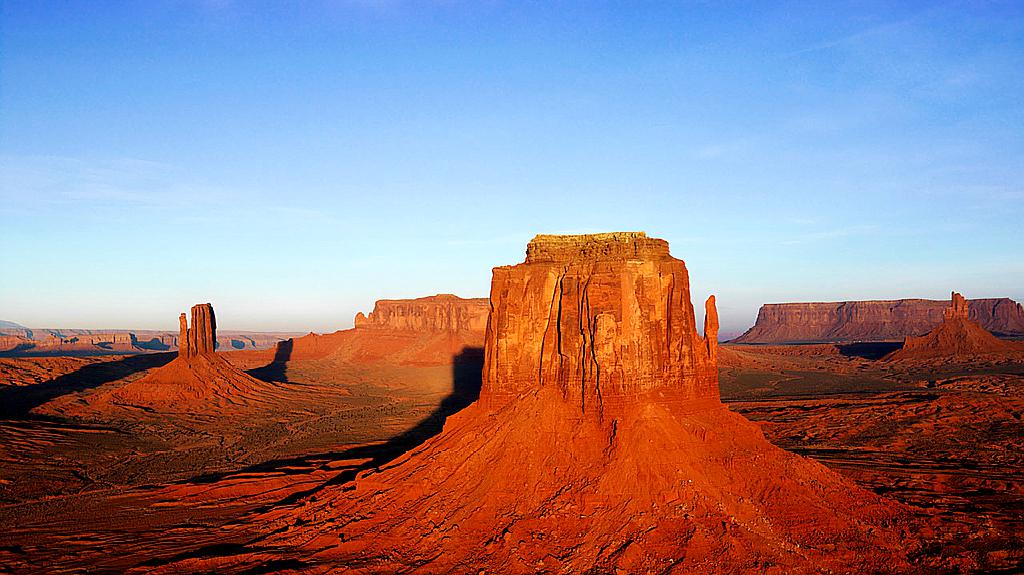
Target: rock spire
point(957, 308)
point(201, 338)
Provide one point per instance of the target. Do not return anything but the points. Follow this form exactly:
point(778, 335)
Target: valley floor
point(121, 488)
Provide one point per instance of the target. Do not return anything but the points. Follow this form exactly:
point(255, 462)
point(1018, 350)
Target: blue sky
point(291, 164)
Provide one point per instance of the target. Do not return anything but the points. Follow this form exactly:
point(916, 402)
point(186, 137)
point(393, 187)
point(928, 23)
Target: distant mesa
point(957, 337)
point(890, 320)
point(10, 324)
point(423, 331)
point(23, 341)
point(438, 313)
point(599, 444)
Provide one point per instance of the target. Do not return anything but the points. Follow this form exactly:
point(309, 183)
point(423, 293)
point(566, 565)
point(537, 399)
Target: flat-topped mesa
point(957, 308)
point(876, 320)
point(201, 338)
point(614, 245)
point(439, 313)
point(605, 318)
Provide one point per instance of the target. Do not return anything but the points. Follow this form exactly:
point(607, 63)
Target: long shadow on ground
point(16, 401)
point(869, 349)
point(276, 370)
point(467, 366)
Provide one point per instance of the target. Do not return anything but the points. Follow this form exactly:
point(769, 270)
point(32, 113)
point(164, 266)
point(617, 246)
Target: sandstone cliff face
point(599, 318)
point(873, 320)
point(438, 313)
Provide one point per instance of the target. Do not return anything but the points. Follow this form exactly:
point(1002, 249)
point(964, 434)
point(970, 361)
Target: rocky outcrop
point(957, 309)
point(439, 313)
point(11, 343)
point(598, 445)
point(956, 338)
point(873, 320)
point(600, 318)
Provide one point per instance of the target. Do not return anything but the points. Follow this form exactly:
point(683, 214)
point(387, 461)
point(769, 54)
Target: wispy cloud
point(720, 150)
point(832, 234)
point(43, 181)
point(134, 188)
point(861, 36)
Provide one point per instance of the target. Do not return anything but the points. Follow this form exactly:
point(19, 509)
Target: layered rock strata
point(873, 320)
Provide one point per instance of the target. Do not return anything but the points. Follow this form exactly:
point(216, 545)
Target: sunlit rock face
point(601, 318)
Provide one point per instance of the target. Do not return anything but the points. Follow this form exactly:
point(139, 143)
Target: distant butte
point(957, 337)
point(599, 445)
point(200, 339)
point(198, 379)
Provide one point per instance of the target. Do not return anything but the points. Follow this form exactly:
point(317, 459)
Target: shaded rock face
point(873, 320)
point(201, 338)
point(439, 313)
point(600, 318)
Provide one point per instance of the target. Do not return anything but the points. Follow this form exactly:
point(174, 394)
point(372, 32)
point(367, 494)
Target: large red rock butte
point(956, 338)
point(601, 318)
point(599, 445)
point(890, 320)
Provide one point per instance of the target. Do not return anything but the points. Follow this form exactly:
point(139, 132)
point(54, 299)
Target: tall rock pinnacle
point(201, 338)
point(957, 307)
point(600, 317)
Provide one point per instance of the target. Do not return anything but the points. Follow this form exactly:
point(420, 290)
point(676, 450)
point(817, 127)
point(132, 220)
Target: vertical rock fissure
point(597, 365)
point(563, 381)
point(582, 318)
